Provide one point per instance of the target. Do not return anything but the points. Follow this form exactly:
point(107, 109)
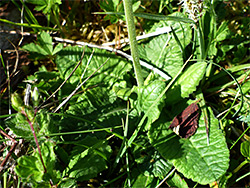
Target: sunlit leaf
point(193, 157)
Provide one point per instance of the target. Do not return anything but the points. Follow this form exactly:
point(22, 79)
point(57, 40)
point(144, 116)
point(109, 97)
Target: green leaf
point(42, 124)
point(113, 71)
point(57, 48)
point(140, 180)
point(96, 108)
point(87, 163)
point(186, 83)
point(31, 170)
point(19, 125)
point(45, 46)
point(68, 183)
point(223, 32)
point(45, 40)
point(245, 149)
point(168, 58)
point(173, 18)
point(31, 47)
point(152, 164)
point(146, 97)
point(44, 5)
point(177, 181)
point(193, 157)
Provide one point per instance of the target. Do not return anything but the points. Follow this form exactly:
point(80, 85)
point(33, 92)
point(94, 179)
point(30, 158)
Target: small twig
point(8, 80)
point(143, 63)
point(106, 47)
point(21, 40)
point(169, 174)
point(159, 31)
point(17, 58)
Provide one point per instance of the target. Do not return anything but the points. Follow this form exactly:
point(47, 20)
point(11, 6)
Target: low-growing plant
point(114, 129)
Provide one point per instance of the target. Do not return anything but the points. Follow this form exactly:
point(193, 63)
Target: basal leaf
point(31, 170)
point(112, 71)
point(186, 83)
point(87, 163)
point(96, 108)
point(193, 157)
point(147, 96)
point(168, 58)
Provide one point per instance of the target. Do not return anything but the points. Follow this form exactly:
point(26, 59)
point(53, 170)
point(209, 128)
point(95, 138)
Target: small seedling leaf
point(245, 149)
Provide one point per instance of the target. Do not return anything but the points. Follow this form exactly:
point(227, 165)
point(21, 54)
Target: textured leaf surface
point(147, 96)
point(193, 157)
point(30, 167)
point(96, 106)
point(89, 158)
point(111, 72)
point(187, 82)
point(19, 125)
point(168, 58)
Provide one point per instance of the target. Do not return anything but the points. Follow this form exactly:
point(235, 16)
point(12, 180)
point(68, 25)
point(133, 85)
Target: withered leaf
point(186, 123)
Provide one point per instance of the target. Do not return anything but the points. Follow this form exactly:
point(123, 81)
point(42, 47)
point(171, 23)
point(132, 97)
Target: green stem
point(132, 39)
point(240, 166)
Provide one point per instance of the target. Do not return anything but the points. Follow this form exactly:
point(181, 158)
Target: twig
point(105, 47)
point(143, 63)
point(159, 31)
point(169, 174)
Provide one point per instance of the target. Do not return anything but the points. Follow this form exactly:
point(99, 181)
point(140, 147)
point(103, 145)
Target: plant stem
point(132, 40)
point(240, 166)
point(37, 144)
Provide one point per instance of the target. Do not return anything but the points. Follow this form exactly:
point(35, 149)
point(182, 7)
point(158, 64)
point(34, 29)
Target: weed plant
point(98, 119)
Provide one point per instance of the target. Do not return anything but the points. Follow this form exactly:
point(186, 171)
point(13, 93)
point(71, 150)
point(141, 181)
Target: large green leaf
point(168, 58)
point(43, 124)
point(112, 71)
point(186, 83)
point(96, 108)
point(193, 157)
point(146, 96)
point(88, 158)
point(31, 170)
